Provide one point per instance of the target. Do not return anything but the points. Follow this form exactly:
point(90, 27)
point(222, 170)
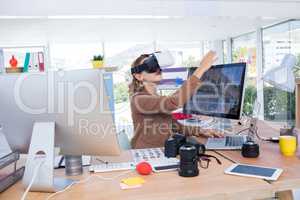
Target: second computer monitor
point(75, 100)
point(221, 93)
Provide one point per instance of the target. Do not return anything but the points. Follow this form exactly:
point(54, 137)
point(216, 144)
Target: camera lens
point(188, 161)
point(188, 153)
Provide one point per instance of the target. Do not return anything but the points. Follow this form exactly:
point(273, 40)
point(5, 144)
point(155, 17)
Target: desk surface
point(270, 156)
point(212, 183)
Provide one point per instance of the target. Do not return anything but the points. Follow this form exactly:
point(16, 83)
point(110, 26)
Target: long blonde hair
point(136, 85)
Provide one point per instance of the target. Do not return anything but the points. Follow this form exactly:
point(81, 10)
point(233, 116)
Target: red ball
point(144, 168)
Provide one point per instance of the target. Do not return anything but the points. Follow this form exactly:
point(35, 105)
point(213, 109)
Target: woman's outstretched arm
point(150, 104)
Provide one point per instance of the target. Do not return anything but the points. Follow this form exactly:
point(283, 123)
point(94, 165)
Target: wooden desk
point(212, 183)
point(270, 156)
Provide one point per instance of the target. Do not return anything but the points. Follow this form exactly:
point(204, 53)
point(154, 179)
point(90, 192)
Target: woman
point(151, 113)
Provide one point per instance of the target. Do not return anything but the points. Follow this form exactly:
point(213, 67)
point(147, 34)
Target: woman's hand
point(198, 132)
point(205, 64)
point(211, 133)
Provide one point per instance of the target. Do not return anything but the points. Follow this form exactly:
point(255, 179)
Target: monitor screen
point(221, 92)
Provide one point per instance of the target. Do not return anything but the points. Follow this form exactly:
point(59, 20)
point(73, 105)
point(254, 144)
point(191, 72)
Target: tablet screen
point(253, 170)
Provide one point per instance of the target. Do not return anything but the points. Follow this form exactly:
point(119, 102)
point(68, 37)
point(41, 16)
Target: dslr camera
point(173, 144)
point(189, 150)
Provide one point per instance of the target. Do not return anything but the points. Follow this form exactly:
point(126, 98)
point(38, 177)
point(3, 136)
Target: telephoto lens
point(188, 166)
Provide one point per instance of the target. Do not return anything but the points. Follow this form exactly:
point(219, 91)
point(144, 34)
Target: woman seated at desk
point(151, 113)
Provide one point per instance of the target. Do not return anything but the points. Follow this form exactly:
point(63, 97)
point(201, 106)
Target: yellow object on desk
point(288, 145)
point(133, 181)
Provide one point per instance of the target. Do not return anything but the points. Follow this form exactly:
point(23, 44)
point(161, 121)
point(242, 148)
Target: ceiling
point(262, 8)
point(138, 20)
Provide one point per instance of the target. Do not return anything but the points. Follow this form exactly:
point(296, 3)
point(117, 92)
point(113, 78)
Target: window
point(69, 56)
point(279, 40)
point(225, 54)
point(207, 46)
point(122, 54)
point(244, 50)
point(295, 44)
point(186, 54)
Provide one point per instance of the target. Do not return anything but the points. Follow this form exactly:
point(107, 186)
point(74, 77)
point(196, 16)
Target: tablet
point(267, 173)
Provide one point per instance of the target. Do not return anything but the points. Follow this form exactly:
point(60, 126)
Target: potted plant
point(98, 61)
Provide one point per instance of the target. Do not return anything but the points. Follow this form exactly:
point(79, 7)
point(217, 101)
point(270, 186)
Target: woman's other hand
point(205, 64)
point(201, 132)
point(212, 133)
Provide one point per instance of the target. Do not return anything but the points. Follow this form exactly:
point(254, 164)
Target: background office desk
point(270, 156)
point(212, 183)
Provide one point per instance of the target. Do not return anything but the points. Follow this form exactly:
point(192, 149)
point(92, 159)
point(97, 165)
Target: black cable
point(258, 136)
point(211, 156)
point(271, 139)
point(239, 132)
point(105, 162)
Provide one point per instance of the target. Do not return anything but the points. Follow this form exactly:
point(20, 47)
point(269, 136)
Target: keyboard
point(154, 156)
point(226, 143)
point(233, 141)
point(109, 167)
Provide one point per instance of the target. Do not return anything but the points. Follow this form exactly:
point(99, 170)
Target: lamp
point(282, 76)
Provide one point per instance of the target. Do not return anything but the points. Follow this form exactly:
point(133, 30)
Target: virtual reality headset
point(154, 62)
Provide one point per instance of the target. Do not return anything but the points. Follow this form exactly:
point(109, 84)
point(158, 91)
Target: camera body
point(189, 150)
point(173, 144)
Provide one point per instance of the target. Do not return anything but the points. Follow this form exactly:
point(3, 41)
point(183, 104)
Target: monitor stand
point(41, 153)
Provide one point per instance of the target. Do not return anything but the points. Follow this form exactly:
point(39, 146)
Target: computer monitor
point(221, 93)
point(75, 100)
